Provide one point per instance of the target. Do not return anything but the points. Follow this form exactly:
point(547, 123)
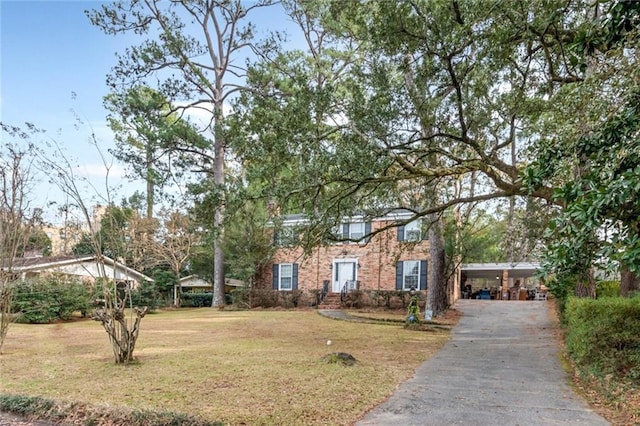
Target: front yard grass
point(235, 367)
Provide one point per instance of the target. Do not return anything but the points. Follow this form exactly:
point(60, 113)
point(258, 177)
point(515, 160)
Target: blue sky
point(50, 51)
point(53, 68)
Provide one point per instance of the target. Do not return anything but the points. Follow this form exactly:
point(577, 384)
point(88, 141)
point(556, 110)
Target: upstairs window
point(287, 236)
point(412, 231)
point(355, 231)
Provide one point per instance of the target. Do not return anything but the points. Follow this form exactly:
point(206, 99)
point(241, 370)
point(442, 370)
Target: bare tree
point(120, 319)
point(174, 243)
point(16, 217)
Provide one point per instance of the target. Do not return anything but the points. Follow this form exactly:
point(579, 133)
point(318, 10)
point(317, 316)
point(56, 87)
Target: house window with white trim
point(411, 274)
point(355, 231)
point(285, 276)
point(412, 231)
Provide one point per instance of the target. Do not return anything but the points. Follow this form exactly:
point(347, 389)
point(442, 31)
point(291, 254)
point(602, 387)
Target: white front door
point(343, 270)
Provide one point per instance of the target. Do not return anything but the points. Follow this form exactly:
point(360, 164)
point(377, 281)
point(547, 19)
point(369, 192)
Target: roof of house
point(35, 264)
point(391, 214)
point(196, 281)
point(495, 270)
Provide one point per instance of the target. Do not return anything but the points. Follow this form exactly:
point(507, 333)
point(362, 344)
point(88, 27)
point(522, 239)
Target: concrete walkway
point(501, 367)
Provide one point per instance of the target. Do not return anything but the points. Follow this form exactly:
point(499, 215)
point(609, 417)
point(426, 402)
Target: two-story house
point(386, 253)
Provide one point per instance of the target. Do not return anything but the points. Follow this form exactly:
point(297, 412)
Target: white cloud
point(115, 171)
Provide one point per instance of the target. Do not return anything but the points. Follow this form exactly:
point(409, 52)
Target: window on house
point(287, 236)
point(412, 231)
point(411, 274)
point(285, 276)
point(355, 231)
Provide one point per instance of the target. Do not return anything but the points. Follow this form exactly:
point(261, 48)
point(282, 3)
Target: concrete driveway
point(501, 367)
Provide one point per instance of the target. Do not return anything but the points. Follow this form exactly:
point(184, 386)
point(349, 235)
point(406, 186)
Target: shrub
point(608, 289)
point(603, 335)
point(259, 298)
point(25, 405)
point(354, 299)
point(240, 296)
point(291, 299)
point(146, 294)
point(51, 298)
point(561, 289)
point(196, 300)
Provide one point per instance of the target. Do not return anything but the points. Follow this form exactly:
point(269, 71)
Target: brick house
point(395, 258)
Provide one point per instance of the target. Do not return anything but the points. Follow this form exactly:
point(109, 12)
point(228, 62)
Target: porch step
point(330, 301)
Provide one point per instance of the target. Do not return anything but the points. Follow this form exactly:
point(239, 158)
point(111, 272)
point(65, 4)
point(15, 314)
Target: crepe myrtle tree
point(117, 314)
point(18, 218)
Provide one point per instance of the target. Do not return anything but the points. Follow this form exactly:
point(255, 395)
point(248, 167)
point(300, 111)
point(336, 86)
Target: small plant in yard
point(342, 358)
point(413, 311)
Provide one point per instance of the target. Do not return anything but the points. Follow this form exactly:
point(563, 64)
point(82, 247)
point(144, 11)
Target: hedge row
point(267, 298)
point(53, 298)
point(603, 335)
point(42, 301)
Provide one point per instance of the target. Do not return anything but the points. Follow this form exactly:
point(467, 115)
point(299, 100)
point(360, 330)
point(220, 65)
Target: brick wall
point(376, 261)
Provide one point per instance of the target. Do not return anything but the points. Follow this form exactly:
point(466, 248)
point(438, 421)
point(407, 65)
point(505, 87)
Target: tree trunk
point(6, 299)
point(218, 218)
point(437, 296)
point(586, 285)
point(150, 181)
point(629, 282)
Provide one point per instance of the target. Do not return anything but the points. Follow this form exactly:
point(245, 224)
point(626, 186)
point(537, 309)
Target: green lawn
point(237, 367)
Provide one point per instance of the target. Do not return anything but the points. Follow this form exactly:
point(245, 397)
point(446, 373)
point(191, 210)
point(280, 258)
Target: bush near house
point(196, 300)
point(268, 298)
point(49, 299)
point(603, 336)
point(249, 298)
point(146, 294)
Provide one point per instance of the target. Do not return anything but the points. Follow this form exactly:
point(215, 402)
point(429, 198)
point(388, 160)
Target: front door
point(343, 270)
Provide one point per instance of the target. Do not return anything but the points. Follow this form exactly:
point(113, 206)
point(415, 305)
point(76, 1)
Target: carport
point(502, 280)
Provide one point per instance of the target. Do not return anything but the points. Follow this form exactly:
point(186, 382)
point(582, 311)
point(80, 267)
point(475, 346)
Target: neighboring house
point(85, 267)
point(195, 284)
point(392, 259)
